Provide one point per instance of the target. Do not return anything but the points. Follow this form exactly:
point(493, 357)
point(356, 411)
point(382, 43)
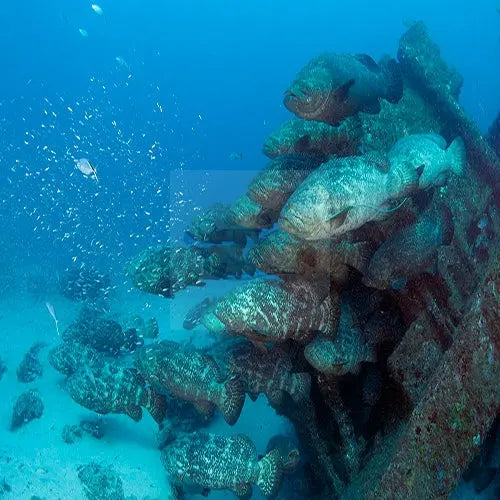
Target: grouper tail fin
point(457, 156)
point(270, 473)
point(232, 399)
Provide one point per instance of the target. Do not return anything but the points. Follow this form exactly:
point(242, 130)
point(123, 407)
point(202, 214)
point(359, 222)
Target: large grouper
point(203, 462)
point(333, 86)
point(192, 376)
point(271, 311)
point(345, 193)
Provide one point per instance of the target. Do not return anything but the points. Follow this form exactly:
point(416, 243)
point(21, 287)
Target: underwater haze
point(200, 296)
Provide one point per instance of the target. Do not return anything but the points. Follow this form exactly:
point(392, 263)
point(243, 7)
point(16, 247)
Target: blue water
point(218, 70)
point(162, 95)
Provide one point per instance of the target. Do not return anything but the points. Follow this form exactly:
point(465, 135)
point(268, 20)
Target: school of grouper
point(335, 189)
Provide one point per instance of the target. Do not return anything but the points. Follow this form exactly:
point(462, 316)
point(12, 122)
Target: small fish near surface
point(86, 168)
point(272, 311)
point(332, 87)
point(213, 462)
point(343, 354)
point(112, 389)
point(345, 193)
point(298, 136)
point(430, 152)
point(267, 372)
point(411, 251)
point(97, 9)
point(192, 376)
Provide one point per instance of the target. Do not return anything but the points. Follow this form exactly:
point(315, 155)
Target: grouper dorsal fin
point(342, 93)
point(367, 61)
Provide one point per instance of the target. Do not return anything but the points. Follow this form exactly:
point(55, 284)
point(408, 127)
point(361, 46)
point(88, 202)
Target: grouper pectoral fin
point(337, 219)
point(134, 412)
point(303, 144)
point(243, 491)
point(342, 93)
point(368, 62)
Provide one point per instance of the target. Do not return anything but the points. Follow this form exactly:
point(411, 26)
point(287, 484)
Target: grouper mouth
point(306, 103)
point(294, 225)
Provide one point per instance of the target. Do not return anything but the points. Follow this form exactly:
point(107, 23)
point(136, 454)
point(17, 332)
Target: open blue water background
point(195, 81)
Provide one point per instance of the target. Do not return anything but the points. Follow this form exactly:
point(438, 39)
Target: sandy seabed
point(35, 461)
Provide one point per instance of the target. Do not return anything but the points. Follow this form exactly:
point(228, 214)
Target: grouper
point(204, 462)
point(109, 388)
point(267, 372)
point(431, 153)
point(192, 376)
point(271, 311)
point(283, 254)
point(345, 193)
point(302, 136)
point(411, 251)
point(333, 86)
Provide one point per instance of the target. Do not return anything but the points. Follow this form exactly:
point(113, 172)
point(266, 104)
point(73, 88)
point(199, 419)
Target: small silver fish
point(97, 9)
point(86, 168)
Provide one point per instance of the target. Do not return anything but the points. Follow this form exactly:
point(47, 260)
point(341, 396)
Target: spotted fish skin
point(170, 269)
point(412, 250)
point(192, 376)
point(112, 389)
point(249, 214)
point(343, 354)
point(267, 372)
point(194, 316)
point(274, 184)
point(334, 86)
point(103, 334)
point(283, 254)
point(345, 193)
point(431, 152)
point(271, 311)
point(216, 462)
point(216, 225)
point(312, 137)
point(68, 357)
